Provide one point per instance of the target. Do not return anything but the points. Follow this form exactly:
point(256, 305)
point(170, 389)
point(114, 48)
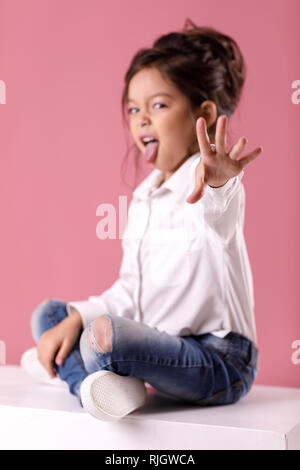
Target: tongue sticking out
point(151, 151)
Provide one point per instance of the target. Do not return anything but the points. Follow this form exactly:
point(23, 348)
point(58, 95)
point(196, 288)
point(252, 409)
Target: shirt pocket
point(195, 226)
point(169, 260)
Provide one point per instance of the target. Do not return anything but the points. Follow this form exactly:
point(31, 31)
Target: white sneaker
point(32, 366)
point(109, 396)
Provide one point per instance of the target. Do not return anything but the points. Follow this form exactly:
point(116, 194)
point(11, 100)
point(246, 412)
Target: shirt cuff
point(88, 311)
point(219, 194)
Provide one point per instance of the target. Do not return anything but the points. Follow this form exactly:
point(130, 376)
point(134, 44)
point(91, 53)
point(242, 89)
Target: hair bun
point(219, 47)
point(177, 43)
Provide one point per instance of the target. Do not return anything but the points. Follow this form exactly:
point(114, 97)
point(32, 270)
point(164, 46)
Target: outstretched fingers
point(221, 134)
point(202, 136)
point(250, 157)
point(237, 148)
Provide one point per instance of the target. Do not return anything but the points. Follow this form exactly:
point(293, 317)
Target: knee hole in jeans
point(100, 334)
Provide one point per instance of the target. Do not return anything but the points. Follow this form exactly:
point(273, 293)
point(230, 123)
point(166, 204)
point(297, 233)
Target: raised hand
point(216, 166)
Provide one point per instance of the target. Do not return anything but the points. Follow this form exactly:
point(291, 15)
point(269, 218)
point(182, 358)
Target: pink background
point(62, 144)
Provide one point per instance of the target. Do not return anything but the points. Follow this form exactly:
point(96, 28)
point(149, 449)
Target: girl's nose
point(144, 119)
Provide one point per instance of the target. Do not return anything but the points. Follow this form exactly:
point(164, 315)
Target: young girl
point(180, 317)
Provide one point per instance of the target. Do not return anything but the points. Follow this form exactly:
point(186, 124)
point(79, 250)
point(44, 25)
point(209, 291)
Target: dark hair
point(201, 62)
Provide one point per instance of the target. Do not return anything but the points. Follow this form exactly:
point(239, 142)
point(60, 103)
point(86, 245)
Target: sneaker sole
point(109, 396)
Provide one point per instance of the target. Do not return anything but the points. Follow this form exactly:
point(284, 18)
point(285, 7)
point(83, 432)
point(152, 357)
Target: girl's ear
point(208, 110)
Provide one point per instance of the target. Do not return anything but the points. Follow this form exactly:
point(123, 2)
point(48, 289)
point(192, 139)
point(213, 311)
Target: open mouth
point(151, 150)
point(148, 140)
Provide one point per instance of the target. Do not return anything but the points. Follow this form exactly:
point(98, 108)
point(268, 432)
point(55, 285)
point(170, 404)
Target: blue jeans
point(199, 369)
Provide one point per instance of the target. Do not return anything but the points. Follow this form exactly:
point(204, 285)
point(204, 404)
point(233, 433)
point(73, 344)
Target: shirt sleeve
point(117, 300)
point(222, 208)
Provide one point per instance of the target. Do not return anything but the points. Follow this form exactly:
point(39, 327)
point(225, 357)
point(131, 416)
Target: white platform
point(35, 416)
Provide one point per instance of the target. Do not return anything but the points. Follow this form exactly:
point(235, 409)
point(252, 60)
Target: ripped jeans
point(199, 369)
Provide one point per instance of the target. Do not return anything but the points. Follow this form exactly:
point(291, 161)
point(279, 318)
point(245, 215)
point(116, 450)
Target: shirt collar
point(176, 182)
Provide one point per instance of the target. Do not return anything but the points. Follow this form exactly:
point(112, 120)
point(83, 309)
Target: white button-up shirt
point(185, 268)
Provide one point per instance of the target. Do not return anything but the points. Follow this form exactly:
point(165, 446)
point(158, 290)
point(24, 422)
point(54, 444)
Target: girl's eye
point(130, 110)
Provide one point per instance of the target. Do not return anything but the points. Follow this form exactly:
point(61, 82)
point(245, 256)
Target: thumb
point(199, 185)
point(195, 195)
point(63, 352)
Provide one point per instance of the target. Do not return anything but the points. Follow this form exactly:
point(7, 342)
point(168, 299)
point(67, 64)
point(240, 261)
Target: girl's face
point(158, 108)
